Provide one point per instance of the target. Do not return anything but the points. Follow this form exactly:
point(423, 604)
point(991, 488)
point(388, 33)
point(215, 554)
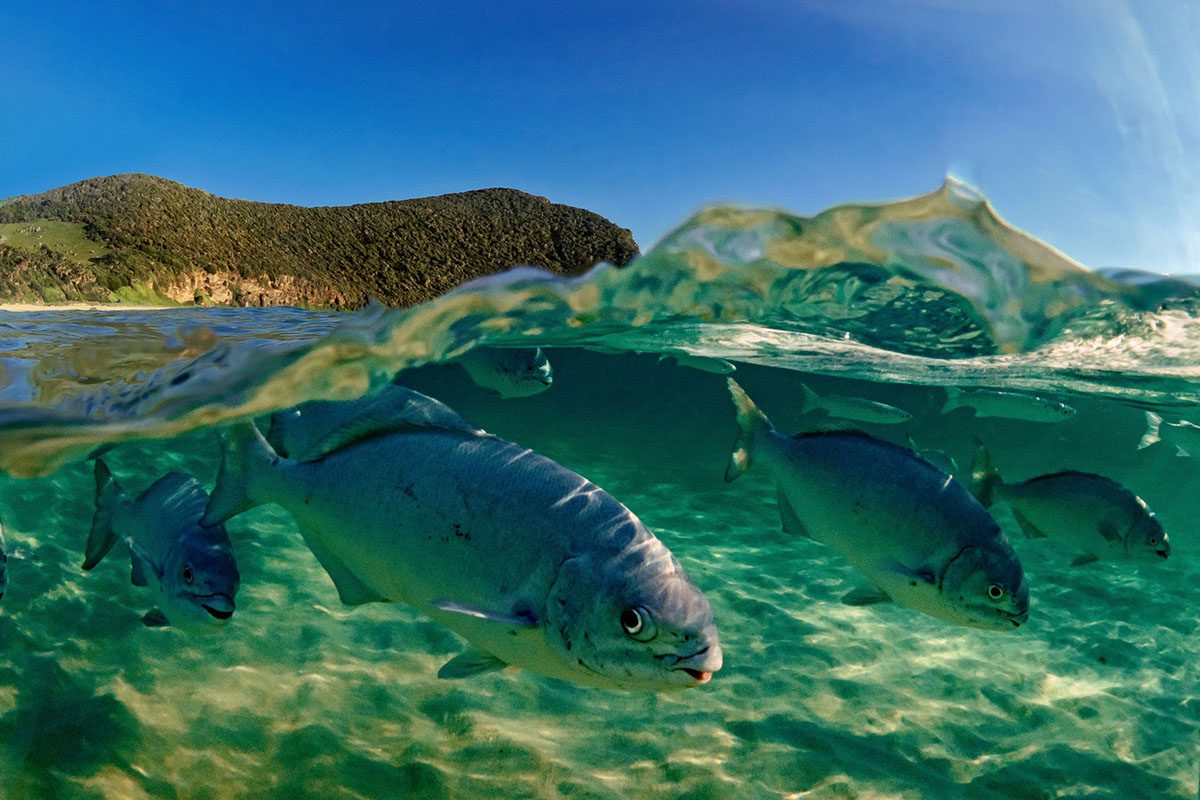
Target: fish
point(508, 372)
point(854, 408)
point(1009, 405)
point(915, 532)
point(939, 458)
point(1184, 436)
point(717, 366)
point(1095, 515)
point(533, 565)
point(189, 567)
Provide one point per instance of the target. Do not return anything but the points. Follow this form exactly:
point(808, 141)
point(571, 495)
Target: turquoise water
point(302, 697)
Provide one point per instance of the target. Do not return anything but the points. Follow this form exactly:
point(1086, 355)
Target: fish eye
point(187, 573)
point(995, 592)
point(1153, 540)
point(637, 624)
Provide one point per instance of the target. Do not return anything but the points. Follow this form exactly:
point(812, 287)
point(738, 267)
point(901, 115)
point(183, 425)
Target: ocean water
point(301, 697)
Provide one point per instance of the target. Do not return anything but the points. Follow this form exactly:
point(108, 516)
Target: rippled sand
point(300, 697)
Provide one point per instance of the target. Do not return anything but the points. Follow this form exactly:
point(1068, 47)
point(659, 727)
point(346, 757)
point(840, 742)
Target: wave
point(934, 289)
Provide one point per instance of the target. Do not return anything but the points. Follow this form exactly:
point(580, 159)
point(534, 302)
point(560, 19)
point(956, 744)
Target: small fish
point(1094, 514)
point(189, 568)
point(532, 564)
point(717, 366)
point(1184, 436)
point(509, 371)
point(1010, 405)
point(914, 531)
point(855, 408)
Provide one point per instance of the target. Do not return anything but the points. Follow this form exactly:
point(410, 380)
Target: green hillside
point(138, 237)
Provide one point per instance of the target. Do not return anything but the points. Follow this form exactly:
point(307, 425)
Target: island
point(143, 240)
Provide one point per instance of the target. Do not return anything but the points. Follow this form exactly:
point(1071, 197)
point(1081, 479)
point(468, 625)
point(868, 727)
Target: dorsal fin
point(325, 427)
point(178, 500)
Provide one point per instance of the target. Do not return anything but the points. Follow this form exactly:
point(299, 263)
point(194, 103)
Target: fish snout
point(701, 664)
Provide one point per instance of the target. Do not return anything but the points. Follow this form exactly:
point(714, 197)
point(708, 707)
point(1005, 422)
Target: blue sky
point(1079, 121)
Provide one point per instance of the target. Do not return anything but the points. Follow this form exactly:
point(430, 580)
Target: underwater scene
point(917, 517)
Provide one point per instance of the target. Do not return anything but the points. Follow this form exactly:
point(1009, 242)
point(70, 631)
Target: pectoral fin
point(866, 596)
point(351, 591)
point(787, 514)
point(155, 619)
point(1109, 532)
point(1086, 558)
point(137, 575)
point(1030, 530)
point(520, 620)
point(470, 663)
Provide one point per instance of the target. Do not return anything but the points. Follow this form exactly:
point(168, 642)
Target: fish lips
point(700, 665)
point(1016, 619)
point(219, 606)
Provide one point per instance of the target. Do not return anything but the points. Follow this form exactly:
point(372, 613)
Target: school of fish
point(402, 500)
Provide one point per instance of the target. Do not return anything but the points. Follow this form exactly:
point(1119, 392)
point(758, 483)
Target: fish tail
point(985, 480)
point(750, 420)
point(953, 400)
point(1153, 428)
point(245, 458)
point(102, 537)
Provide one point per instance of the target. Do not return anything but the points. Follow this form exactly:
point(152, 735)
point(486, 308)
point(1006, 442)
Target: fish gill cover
point(932, 289)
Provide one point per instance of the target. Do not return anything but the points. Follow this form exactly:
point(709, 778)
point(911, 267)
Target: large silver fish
point(1093, 514)
point(913, 530)
point(509, 371)
point(532, 564)
point(188, 567)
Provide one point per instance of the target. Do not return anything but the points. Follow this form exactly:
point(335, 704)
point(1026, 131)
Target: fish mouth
point(221, 615)
point(708, 657)
point(1016, 619)
point(218, 606)
point(1163, 553)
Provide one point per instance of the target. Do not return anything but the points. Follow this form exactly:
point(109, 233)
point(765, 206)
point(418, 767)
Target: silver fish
point(717, 366)
point(1184, 436)
point(913, 530)
point(188, 567)
point(1010, 405)
point(1094, 514)
point(509, 371)
point(532, 564)
point(855, 408)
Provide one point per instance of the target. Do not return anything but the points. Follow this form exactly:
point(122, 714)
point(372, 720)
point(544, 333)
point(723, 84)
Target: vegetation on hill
point(141, 237)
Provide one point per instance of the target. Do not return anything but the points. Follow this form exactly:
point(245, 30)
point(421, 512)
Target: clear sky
point(1080, 120)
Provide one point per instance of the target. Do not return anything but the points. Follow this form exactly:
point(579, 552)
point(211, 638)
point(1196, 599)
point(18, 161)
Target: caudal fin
point(984, 477)
point(953, 399)
point(1152, 435)
point(245, 457)
point(102, 537)
point(749, 420)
